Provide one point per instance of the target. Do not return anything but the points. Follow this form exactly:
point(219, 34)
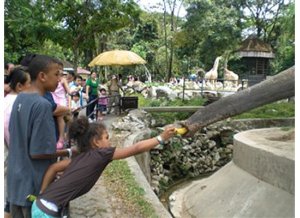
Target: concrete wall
point(257, 183)
point(272, 180)
point(272, 161)
point(144, 158)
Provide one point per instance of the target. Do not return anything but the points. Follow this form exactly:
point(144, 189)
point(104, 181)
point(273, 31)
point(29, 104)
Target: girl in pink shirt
point(60, 96)
point(18, 80)
point(102, 104)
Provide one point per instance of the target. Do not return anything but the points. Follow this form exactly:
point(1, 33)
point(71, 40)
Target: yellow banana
point(181, 131)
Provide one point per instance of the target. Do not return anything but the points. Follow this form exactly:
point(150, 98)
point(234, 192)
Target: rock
point(172, 198)
point(211, 144)
point(165, 92)
point(216, 157)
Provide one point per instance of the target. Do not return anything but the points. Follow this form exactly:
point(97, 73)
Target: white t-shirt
point(8, 103)
point(75, 105)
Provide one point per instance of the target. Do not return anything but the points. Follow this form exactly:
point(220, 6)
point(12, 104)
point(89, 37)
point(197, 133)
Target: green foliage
point(274, 110)
point(211, 26)
point(71, 24)
point(167, 117)
point(284, 44)
point(149, 102)
point(26, 27)
point(262, 16)
point(79, 30)
point(146, 31)
point(176, 145)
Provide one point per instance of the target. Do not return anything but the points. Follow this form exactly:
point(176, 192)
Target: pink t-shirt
point(60, 95)
point(103, 100)
point(8, 104)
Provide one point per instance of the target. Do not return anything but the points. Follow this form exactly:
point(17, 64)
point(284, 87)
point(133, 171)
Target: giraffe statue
point(212, 75)
point(230, 78)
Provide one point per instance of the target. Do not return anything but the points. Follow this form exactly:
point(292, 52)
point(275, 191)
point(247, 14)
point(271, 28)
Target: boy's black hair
point(38, 64)
point(27, 59)
point(102, 89)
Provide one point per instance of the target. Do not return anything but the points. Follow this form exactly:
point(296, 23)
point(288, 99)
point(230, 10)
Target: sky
point(151, 5)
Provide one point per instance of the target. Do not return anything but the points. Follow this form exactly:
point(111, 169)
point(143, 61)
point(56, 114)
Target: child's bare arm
point(61, 111)
point(66, 86)
point(52, 171)
point(142, 146)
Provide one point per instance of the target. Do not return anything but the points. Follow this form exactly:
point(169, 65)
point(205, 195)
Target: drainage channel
point(179, 184)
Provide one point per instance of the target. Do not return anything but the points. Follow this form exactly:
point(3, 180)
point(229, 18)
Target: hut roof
point(255, 47)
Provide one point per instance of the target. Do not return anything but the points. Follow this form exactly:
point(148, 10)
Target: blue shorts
point(36, 212)
point(101, 107)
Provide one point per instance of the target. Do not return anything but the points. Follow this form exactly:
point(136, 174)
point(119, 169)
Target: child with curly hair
point(82, 172)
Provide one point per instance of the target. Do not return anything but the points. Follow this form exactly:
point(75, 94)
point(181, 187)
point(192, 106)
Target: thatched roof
point(255, 47)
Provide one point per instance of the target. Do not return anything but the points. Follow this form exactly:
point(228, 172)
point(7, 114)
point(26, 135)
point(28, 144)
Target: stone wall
point(209, 150)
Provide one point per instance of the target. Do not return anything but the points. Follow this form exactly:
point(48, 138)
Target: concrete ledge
point(259, 182)
point(267, 154)
point(141, 179)
point(232, 192)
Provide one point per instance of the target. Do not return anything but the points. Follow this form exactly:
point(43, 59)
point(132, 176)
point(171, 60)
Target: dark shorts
point(101, 107)
point(7, 207)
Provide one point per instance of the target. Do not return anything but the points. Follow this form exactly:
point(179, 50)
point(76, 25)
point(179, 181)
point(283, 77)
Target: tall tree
point(283, 40)
point(83, 23)
point(74, 25)
point(26, 27)
point(263, 15)
point(212, 28)
point(170, 6)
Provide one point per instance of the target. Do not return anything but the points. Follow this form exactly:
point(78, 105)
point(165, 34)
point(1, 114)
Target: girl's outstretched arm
point(52, 171)
point(143, 146)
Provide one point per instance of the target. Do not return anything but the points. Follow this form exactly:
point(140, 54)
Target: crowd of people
point(41, 114)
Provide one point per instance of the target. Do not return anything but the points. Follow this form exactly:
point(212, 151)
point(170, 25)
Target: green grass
point(273, 110)
point(120, 178)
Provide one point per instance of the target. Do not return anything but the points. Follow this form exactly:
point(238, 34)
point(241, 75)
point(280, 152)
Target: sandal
point(100, 119)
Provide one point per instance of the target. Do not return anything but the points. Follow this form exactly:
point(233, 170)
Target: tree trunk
point(170, 69)
point(166, 39)
point(169, 75)
point(276, 88)
point(76, 56)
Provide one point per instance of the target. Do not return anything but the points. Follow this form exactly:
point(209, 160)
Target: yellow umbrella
point(117, 57)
